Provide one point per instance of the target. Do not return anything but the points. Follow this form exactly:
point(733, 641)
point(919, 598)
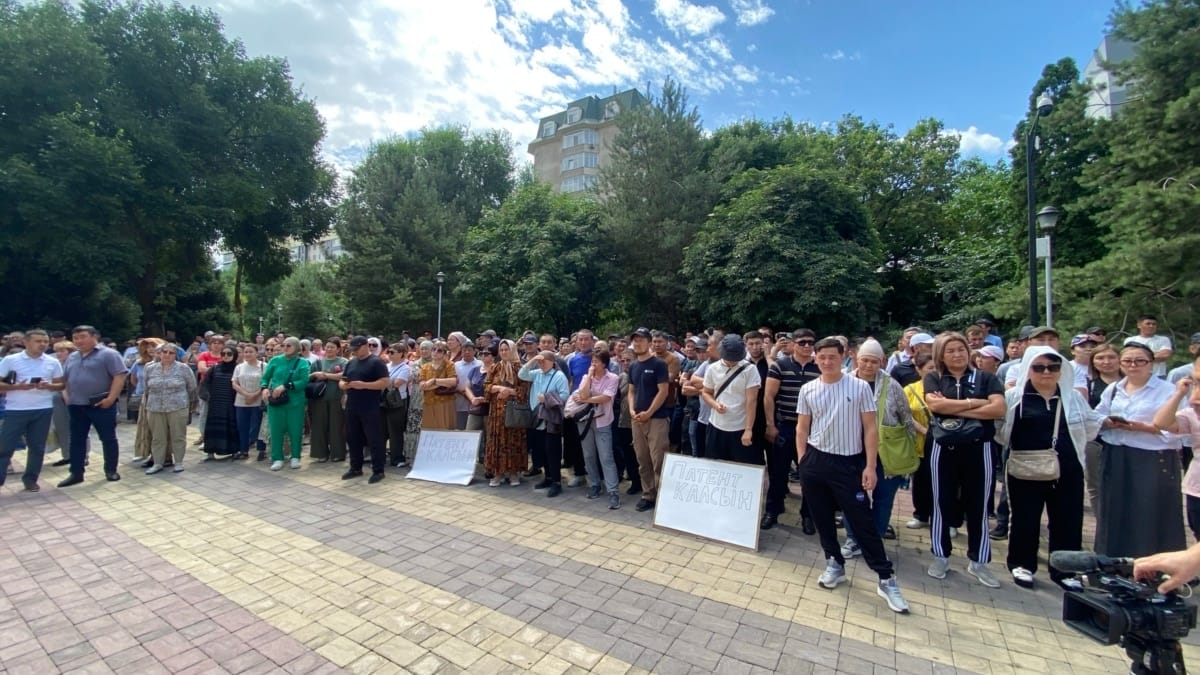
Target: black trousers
point(1062, 501)
point(780, 456)
point(365, 428)
point(962, 476)
point(395, 423)
point(534, 447)
point(922, 487)
point(547, 451)
point(572, 449)
point(833, 482)
point(727, 445)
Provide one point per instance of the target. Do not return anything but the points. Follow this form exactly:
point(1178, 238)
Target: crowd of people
point(980, 430)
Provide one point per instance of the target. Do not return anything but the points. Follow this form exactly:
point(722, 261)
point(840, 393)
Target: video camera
point(1115, 609)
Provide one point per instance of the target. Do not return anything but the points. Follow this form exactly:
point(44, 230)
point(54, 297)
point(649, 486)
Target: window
point(581, 160)
point(583, 137)
point(298, 254)
point(611, 110)
point(573, 115)
point(548, 129)
point(578, 183)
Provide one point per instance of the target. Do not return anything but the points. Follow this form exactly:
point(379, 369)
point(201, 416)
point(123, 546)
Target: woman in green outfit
point(328, 441)
point(287, 372)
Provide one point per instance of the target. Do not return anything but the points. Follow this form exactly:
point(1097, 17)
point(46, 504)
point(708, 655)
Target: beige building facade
point(573, 144)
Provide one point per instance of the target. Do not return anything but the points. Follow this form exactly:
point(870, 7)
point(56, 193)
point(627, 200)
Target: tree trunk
point(238, 308)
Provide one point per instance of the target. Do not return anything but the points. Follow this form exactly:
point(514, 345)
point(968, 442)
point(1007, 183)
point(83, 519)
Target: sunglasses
point(805, 343)
point(439, 350)
point(1046, 367)
point(390, 351)
point(226, 353)
point(1134, 362)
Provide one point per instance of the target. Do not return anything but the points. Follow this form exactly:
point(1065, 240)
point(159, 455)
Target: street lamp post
point(260, 324)
point(441, 279)
point(279, 317)
point(1045, 103)
point(1047, 219)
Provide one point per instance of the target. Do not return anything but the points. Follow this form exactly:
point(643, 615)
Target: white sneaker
point(916, 524)
point(154, 469)
point(851, 549)
point(1022, 577)
point(275, 466)
point(889, 590)
point(981, 572)
point(938, 568)
point(577, 481)
point(833, 575)
point(295, 462)
point(178, 468)
point(953, 532)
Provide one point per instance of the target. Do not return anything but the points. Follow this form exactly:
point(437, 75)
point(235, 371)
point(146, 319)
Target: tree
point(538, 262)
point(793, 239)
point(1146, 191)
point(311, 306)
point(406, 216)
point(149, 138)
point(656, 195)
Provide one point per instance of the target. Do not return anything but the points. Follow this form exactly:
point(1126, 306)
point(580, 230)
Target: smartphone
point(1117, 419)
point(35, 380)
point(11, 378)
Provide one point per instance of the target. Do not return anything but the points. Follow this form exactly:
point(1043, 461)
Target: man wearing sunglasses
point(785, 377)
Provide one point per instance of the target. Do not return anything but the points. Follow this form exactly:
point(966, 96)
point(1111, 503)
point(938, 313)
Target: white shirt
point(705, 411)
point(1156, 343)
point(734, 396)
point(1138, 407)
point(1080, 379)
point(836, 410)
point(45, 366)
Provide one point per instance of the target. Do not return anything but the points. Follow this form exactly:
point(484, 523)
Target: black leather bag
point(315, 391)
point(518, 415)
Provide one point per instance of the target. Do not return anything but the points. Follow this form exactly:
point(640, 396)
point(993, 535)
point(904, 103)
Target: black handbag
point(951, 431)
point(283, 398)
point(315, 391)
point(518, 415)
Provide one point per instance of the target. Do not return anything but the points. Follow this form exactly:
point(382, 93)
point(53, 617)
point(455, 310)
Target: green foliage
point(657, 194)
point(312, 307)
point(406, 216)
point(792, 229)
point(538, 262)
point(136, 136)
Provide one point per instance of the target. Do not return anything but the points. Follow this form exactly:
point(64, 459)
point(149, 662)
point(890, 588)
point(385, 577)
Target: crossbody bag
point(1040, 465)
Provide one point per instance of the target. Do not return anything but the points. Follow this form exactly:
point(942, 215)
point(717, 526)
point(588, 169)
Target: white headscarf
point(1082, 422)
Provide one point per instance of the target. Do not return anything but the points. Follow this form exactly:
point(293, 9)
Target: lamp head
point(1045, 103)
point(1047, 218)
point(441, 278)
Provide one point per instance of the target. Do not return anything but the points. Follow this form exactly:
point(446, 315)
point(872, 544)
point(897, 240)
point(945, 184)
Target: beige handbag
point(1041, 465)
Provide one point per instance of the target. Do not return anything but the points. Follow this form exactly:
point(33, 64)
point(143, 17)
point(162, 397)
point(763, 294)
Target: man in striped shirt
point(837, 445)
point(785, 377)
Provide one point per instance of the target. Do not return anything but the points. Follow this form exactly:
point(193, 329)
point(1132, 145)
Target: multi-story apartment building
point(328, 248)
point(573, 144)
point(1106, 94)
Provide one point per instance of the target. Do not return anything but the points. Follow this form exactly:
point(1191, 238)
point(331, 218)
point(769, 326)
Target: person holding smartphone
point(30, 380)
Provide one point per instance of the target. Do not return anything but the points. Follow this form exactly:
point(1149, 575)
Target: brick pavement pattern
point(228, 567)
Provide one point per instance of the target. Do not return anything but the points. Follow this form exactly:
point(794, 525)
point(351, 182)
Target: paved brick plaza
point(233, 568)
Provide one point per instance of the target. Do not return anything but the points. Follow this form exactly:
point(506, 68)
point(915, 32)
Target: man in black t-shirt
point(364, 377)
point(785, 377)
point(648, 384)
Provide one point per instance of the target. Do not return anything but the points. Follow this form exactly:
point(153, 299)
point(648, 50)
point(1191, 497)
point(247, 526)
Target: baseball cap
point(1041, 330)
point(992, 352)
point(358, 341)
point(1025, 333)
point(698, 342)
point(641, 332)
point(986, 322)
point(920, 339)
point(1081, 338)
point(489, 333)
point(1096, 330)
point(529, 339)
point(1195, 339)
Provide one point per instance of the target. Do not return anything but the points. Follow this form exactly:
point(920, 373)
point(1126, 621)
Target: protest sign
point(446, 457)
point(712, 499)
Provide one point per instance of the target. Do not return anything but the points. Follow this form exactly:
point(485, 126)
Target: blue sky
point(384, 67)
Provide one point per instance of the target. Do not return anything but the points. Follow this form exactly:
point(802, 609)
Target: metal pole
point(439, 321)
point(1049, 296)
point(1031, 217)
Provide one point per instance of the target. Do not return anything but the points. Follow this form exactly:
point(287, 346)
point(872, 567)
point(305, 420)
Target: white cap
point(920, 339)
point(993, 352)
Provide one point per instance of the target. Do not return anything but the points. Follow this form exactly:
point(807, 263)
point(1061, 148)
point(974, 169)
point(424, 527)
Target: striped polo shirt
point(791, 375)
point(836, 410)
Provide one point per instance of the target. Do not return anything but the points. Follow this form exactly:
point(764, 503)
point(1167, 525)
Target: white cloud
point(976, 142)
point(751, 12)
point(752, 47)
point(839, 55)
point(683, 17)
point(380, 68)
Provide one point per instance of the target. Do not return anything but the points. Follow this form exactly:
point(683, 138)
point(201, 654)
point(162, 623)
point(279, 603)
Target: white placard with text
point(446, 457)
point(712, 499)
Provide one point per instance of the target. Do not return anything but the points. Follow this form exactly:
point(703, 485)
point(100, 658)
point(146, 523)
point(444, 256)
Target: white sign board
point(446, 456)
point(712, 499)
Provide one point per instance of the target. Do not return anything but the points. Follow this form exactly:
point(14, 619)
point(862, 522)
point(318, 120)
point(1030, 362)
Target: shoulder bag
point(897, 447)
point(952, 431)
point(729, 380)
point(283, 397)
point(1039, 465)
